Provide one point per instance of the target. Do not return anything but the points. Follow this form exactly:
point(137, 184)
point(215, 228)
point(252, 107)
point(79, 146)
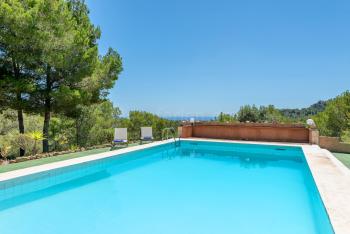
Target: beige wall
point(249, 131)
point(334, 144)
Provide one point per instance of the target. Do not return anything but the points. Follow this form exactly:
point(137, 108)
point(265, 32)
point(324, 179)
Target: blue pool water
point(197, 188)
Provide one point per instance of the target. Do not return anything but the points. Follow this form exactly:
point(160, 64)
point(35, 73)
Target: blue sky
point(200, 57)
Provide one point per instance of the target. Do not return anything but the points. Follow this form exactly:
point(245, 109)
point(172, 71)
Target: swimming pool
point(196, 188)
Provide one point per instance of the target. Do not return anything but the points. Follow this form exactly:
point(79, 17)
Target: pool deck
point(331, 176)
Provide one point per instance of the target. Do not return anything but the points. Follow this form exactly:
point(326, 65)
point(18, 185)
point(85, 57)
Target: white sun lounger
point(120, 136)
point(146, 134)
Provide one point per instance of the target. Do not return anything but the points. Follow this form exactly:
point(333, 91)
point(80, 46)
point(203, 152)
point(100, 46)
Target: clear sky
point(200, 57)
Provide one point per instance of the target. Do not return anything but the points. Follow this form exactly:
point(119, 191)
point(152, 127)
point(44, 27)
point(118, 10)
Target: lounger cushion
point(147, 138)
point(118, 141)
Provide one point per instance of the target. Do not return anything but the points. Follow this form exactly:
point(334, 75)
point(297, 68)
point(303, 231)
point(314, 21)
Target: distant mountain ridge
point(304, 112)
point(187, 118)
point(293, 113)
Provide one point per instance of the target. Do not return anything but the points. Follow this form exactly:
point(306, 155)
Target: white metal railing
point(168, 133)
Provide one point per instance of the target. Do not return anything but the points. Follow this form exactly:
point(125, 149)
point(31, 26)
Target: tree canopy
point(138, 119)
point(49, 59)
point(335, 119)
point(271, 114)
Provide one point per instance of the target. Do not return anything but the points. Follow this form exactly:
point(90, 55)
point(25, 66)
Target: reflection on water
point(34, 187)
point(53, 190)
point(243, 184)
point(244, 158)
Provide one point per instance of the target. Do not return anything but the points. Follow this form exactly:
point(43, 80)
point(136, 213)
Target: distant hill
point(187, 118)
point(297, 114)
point(304, 112)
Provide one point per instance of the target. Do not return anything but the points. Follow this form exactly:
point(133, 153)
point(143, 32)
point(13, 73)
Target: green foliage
point(270, 114)
point(9, 133)
point(35, 136)
point(304, 113)
point(62, 132)
point(74, 147)
point(100, 120)
point(5, 147)
point(138, 119)
point(49, 60)
point(94, 125)
point(345, 136)
point(225, 118)
point(8, 122)
point(21, 141)
point(104, 76)
point(248, 113)
point(263, 114)
point(17, 54)
point(335, 119)
point(5, 150)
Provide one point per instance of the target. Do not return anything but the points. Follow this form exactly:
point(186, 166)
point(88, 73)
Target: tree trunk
point(16, 73)
point(47, 117)
point(47, 110)
point(20, 128)
point(77, 131)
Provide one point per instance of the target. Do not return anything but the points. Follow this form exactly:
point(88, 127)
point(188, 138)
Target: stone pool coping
point(331, 176)
point(70, 162)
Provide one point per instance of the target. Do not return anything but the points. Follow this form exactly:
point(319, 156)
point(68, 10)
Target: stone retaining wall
point(333, 144)
point(250, 132)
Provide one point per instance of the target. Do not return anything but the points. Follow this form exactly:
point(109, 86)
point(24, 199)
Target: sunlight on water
point(198, 188)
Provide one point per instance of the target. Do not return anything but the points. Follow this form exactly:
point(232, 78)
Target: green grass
point(344, 158)
point(41, 161)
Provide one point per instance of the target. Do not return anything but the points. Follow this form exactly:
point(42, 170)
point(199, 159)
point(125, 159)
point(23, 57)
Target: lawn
point(344, 158)
point(41, 161)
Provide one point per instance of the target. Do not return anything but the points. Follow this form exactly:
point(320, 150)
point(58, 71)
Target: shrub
point(345, 136)
point(335, 119)
point(5, 150)
point(35, 136)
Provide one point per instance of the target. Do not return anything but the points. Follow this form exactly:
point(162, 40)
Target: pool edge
point(332, 179)
point(74, 161)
